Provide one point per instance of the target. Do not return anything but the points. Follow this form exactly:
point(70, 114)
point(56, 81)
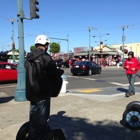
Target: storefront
point(8, 56)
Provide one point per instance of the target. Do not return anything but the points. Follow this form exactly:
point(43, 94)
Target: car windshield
point(82, 63)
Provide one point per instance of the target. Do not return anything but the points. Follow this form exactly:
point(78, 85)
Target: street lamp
point(98, 41)
point(123, 39)
point(101, 39)
point(12, 38)
point(89, 29)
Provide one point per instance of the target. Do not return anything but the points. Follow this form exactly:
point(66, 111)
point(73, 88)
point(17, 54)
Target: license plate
point(76, 66)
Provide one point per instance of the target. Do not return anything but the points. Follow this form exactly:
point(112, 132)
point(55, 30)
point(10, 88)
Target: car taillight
point(83, 67)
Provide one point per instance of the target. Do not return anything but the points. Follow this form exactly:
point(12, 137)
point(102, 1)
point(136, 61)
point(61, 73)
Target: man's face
point(129, 56)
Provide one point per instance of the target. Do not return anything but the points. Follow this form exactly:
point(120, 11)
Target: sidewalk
point(81, 117)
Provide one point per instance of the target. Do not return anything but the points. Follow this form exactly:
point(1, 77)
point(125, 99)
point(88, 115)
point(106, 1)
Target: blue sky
point(73, 17)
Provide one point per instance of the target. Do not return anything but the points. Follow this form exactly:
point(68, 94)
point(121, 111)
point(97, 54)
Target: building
point(106, 51)
point(135, 47)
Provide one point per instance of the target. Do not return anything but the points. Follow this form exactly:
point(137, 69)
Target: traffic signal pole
point(19, 94)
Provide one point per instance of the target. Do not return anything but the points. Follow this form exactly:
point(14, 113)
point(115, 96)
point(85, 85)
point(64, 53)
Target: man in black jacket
point(40, 73)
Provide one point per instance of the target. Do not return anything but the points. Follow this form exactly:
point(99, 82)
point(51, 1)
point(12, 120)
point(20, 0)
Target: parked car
point(85, 67)
point(65, 64)
point(8, 72)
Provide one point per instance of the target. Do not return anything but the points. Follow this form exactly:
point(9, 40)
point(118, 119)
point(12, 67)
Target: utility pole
point(123, 39)
point(12, 38)
point(20, 89)
point(89, 29)
point(68, 45)
point(60, 47)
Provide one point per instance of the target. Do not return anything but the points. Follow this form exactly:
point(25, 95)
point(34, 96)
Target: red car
point(8, 72)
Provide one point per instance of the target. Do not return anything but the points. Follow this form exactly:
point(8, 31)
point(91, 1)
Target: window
point(1, 66)
point(94, 64)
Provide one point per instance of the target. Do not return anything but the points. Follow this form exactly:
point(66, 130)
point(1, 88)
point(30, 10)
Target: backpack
point(34, 76)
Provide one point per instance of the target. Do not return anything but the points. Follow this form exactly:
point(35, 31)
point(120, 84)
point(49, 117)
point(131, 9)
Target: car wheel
point(99, 71)
point(131, 117)
point(74, 74)
point(90, 72)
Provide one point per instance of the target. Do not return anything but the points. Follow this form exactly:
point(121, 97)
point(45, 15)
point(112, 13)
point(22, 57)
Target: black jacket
point(37, 90)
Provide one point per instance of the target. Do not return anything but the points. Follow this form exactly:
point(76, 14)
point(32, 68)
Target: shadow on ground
point(76, 128)
point(122, 90)
point(6, 99)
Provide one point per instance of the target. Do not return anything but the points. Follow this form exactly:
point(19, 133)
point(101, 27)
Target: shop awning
point(80, 54)
point(11, 53)
point(106, 53)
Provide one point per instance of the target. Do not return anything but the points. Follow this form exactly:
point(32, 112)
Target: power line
point(5, 18)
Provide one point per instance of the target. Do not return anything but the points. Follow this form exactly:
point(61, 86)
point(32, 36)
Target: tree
point(54, 48)
point(32, 48)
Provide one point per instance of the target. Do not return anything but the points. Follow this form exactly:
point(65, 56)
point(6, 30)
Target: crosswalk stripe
point(89, 79)
point(124, 85)
point(114, 83)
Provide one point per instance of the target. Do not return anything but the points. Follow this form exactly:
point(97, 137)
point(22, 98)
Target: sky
point(71, 18)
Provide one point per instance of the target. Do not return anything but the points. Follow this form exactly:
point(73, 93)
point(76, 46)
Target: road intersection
point(109, 82)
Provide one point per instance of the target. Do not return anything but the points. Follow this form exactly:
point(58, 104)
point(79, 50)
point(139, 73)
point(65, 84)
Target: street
point(110, 78)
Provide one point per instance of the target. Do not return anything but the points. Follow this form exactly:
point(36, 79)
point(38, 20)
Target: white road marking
point(118, 84)
point(114, 83)
point(124, 85)
point(136, 83)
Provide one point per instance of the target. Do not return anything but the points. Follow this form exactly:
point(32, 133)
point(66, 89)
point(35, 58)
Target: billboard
point(80, 49)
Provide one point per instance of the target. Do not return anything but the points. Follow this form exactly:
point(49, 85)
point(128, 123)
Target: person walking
point(39, 87)
point(131, 65)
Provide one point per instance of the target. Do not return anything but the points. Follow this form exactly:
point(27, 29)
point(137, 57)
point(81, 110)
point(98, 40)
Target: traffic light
point(34, 9)
point(101, 46)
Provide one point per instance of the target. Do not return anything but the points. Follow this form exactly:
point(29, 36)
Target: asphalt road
point(110, 77)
